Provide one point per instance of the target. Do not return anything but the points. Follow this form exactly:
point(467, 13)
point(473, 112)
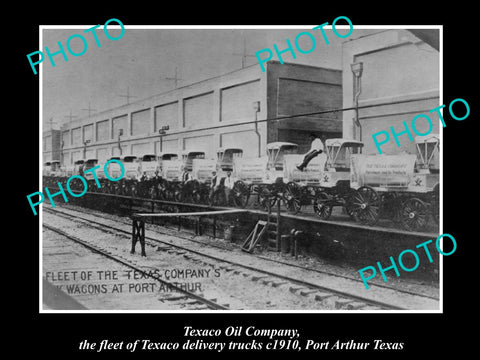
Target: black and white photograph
point(254, 185)
point(241, 168)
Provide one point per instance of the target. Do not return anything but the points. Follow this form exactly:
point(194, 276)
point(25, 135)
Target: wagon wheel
point(178, 193)
point(74, 184)
point(212, 201)
point(348, 207)
point(435, 204)
point(124, 189)
point(134, 190)
point(161, 191)
point(364, 204)
point(267, 198)
point(91, 186)
point(292, 197)
point(143, 190)
point(200, 196)
point(186, 191)
point(196, 192)
point(153, 192)
point(218, 198)
point(105, 187)
point(322, 206)
point(414, 214)
point(117, 189)
point(129, 189)
point(392, 205)
point(241, 194)
point(170, 192)
point(102, 187)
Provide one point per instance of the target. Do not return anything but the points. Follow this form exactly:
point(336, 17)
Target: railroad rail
point(327, 224)
point(209, 303)
point(298, 284)
point(183, 235)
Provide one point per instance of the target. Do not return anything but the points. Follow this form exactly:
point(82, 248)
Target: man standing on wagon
point(315, 149)
point(228, 184)
point(214, 186)
point(186, 176)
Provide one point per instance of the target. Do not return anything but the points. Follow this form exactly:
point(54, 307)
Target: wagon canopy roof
point(147, 155)
point(186, 152)
point(427, 138)
point(279, 144)
point(129, 158)
point(223, 149)
point(167, 153)
point(340, 142)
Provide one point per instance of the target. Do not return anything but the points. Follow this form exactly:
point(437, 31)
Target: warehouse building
point(217, 112)
point(395, 68)
point(51, 145)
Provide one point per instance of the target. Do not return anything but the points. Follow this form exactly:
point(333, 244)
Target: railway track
point(360, 231)
point(184, 297)
point(345, 299)
point(306, 214)
point(184, 236)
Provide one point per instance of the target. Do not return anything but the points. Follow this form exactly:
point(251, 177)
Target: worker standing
point(228, 184)
point(315, 149)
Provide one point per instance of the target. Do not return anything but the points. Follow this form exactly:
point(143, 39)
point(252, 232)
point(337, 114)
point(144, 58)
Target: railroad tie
point(320, 296)
point(342, 303)
point(356, 305)
point(295, 289)
point(308, 292)
point(175, 298)
point(258, 277)
point(276, 284)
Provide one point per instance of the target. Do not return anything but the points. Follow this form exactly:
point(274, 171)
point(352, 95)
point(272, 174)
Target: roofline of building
point(164, 93)
point(193, 84)
point(303, 65)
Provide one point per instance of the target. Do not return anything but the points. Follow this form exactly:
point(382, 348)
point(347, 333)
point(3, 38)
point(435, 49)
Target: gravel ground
point(62, 257)
point(234, 289)
point(342, 278)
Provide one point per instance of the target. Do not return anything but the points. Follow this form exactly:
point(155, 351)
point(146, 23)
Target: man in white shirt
point(214, 185)
point(228, 184)
point(186, 176)
point(315, 149)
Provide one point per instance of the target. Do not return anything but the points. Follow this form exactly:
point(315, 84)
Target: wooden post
point(142, 238)
point(295, 245)
point(197, 226)
point(214, 226)
point(134, 234)
point(278, 225)
point(138, 234)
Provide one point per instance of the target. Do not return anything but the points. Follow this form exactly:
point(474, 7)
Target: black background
point(58, 335)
